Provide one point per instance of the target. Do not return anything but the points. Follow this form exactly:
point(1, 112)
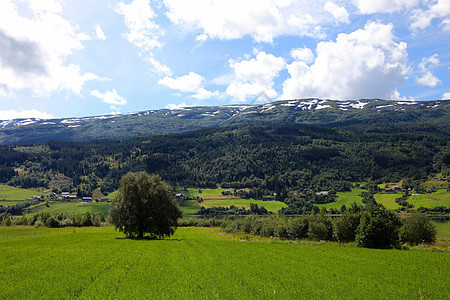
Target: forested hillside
point(266, 159)
point(361, 115)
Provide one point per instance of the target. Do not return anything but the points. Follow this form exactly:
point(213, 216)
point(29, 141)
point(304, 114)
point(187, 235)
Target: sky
point(82, 58)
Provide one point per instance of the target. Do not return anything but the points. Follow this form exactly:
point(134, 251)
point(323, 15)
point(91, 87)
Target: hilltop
point(360, 115)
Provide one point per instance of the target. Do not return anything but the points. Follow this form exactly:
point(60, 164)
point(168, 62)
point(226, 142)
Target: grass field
point(345, 198)
point(198, 263)
point(214, 197)
point(77, 207)
point(9, 203)
point(388, 200)
point(15, 194)
point(439, 198)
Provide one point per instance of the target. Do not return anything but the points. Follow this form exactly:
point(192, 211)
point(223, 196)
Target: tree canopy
point(144, 205)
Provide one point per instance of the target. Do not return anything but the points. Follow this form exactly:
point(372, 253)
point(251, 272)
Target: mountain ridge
point(329, 113)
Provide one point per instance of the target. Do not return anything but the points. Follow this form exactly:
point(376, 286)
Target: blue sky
point(81, 58)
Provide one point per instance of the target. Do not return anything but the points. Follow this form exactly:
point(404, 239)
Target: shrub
point(281, 229)
point(320, 228)
point(52, 222)
point(345, 227)
point(298, 228)
point(418, 229)
point(378, 228)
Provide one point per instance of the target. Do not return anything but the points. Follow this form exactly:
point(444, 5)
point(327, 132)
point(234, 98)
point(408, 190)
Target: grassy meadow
point(214, 197)
point(199, 263)
point(388, 200)
point(345, 198)
point(439, 198)
point(76, 207)
point(11, 193)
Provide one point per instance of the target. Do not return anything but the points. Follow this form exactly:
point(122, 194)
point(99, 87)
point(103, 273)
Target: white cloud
point(427, 78)
point(202, 94)
point(175, 106)
point(186, 83)
point(255, 76)
point(34, 48)
point(376, 67)
point(24, 114)
point(421, 19)
point(446, 96)
point(190, 83)
point(338, 12)
point(99, 33)
point(263, 20)
point(110, 97)
point(384, 6)
point(143, 32)
point(304, 54)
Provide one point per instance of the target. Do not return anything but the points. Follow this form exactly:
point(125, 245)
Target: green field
point(439, 198)
point(14, 194)
point(9, 203)
point(76, 207)
point(345, 198)
point(214, 197)
point(198, 263)
point(388, 200)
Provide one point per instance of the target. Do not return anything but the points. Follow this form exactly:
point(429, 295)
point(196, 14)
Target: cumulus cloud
point(446, 96)
point(143, 32)
point(304, 54)
point(187, 83)
point(110, 97)
point(255, 76)
point(34, 48)
point(364, 63)
point(263, 20)
point(422, 18)
point(190, 83)
point(427, 78)
point(384, 6)
point(338, 12)
point(23, 114)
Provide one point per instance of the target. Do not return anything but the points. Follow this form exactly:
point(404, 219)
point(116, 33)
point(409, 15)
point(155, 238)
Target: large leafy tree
point(378, 228)
point(144, 205)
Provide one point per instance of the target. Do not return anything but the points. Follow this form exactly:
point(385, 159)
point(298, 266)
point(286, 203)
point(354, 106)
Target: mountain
point(360, 115)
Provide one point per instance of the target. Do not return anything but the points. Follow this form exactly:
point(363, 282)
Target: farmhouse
point(226, 193)
point(68, 197)
point(389, 190)
point(180, 196)
point(324, 193)
point(86, 199)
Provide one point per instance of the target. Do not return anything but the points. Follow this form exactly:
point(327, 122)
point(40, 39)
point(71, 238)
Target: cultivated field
point(214, 197)
point(388, 200)
point(439, 198)
point(76, 207)
point(345, 198)
point(11, 193)
point(198, 263)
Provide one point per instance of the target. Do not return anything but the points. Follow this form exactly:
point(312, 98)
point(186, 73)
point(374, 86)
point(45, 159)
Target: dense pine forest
point(263, 159)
